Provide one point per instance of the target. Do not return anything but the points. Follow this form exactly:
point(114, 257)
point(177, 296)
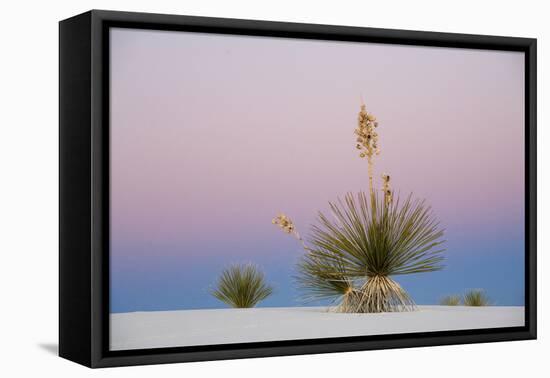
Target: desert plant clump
point(242, 286)
point(353, 256)
point(358, 250)
point(451, 300)
point(476, 298)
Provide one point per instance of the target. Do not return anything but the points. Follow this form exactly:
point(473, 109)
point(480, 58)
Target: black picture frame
point(84, 188)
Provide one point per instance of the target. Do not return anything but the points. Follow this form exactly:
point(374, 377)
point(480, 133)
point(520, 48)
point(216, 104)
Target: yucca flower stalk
point(242, 286)
point(287, 226)
point(367, 141)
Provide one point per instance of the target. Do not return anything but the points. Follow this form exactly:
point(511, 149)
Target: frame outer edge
point(532, 167)
point(99, 156)
point(98, 319)
point(74, 190)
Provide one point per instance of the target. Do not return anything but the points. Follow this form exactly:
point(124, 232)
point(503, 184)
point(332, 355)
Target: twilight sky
point(213, 135)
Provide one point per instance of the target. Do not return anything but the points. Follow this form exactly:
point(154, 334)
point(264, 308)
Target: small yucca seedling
point(242, 286)
point(476, 298)
point(450, 300)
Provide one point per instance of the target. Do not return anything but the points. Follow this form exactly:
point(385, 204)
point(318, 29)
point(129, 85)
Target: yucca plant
point(324, 277)
point(353, 257)
point(476, 298)
point(242, 286)
point(451, 300)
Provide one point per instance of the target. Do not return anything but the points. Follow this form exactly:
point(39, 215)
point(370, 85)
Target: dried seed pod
point(388, 194)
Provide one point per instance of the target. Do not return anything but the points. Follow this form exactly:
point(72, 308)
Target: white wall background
point(29, 174)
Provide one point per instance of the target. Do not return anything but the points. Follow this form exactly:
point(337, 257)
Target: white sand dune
point(157, 329)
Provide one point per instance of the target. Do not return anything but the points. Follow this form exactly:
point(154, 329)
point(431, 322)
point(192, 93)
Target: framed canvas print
point(234, 188)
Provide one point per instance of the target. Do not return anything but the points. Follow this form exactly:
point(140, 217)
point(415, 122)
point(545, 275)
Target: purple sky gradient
point(212, 135)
